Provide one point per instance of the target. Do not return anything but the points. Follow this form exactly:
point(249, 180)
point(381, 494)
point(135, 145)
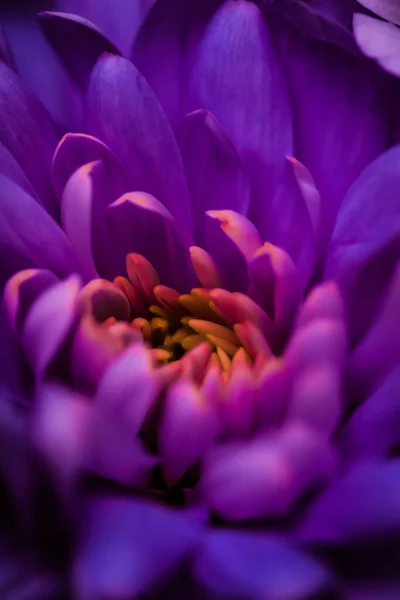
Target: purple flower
point(200, 350)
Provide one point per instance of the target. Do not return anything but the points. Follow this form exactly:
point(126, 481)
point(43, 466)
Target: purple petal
point(126, 115)
point(80, 57)
point(215, 171)
point(118, 22)
point(165, 48)
point(185, 411)
point(294, 218)
point(29, 237)
point(338, 113)
point(264, 478)
point(379, 350)
point(10, 369)
point(374, 428)
point(76, 150)
point(238, 78)
point(10, 168)
point(254, 566)
point(378, 40)
point(27, 132)
point(359, 506)
point(48, 324)
point(365, 228)
point(141, 224)
point(127, 546)
point(5, 51)
point(87, 194)
point(387, 9)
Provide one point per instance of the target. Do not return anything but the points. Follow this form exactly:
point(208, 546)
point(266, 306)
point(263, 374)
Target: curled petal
point(387, 9)
point(378, 40)
point(102, 299)
point(238, 406)
point(49, 322)
point(323, 302)
point(271, 391)
point(187, 430)
point(205, 268)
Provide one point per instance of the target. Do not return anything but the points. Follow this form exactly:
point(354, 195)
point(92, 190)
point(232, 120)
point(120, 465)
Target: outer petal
point(29, 237)
point(338, 111)
point(27, 132)
point(358, 506)
point(165, 48)
point(378, 40)
point(255, 566)
point(10, 168)
point(10, 371)
point(366, 228)
point(126, 115)
point(238, 78)
point(141, 224)
point(146, 542)
point(216, 174)
point(375, 425)
point(387, 9)
point(89, 43)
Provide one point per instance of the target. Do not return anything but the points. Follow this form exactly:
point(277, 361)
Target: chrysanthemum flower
point(201, 326)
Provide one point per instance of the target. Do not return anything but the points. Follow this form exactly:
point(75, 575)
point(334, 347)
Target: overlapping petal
point(378, 40)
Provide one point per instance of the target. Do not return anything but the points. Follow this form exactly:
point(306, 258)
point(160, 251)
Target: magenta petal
point(89, 43)
point(378, 40)
point(215, 171)
point(76, 150)
point(238, 78)
point(125, 114)
point(140, 224)
point(365, 228)
point(374, 428)
point(252, 565)
point(359, 506)
point(27, 132)
point(48, 323)
point(127, 546)
point(29, 237)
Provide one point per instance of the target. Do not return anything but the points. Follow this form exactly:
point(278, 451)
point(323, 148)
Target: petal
point(10, 370)
point(185, 411)
point(365, 228)
point(251, 565)
point(323, 302)
point(379, 350)
point(140, 224)
point(378, 40)
point(164, 49)
point(119, 23)
point(147, 542)
point(338, 110)
point(238, 407)
point(271, 392)
point(29, 237)
point(87, 194)
point(264, 478)
point(374, 428)
point(89, 43)
point(359, 506)
point(129, 387)
point(215, 171)
point(123, 112)
point(238, 78)
point(27, 132)
point(48, 324)
point(10, 168)
point(387, 9)
point(294, 216)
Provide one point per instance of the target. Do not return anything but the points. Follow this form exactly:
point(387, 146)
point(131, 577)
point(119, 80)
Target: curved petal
point(76, 150)
point(147, 542)
point(48, 324)
point(365, 228)
point(378, 40)
point(10, 168)
point(374, 428)
point(215, 171)
point(387, 9)
point(339, 115)
point(5, 51)
point(89, 43)
point(27, 132)
point(165, 48)
point(253, 566)
point(124, 112)
point(10, 368)
point(238, 78)
point(358, 506)
point(29, 237)
point(141, 224)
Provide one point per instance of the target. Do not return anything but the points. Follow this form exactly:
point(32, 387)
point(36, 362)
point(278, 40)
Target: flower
point(200, 359)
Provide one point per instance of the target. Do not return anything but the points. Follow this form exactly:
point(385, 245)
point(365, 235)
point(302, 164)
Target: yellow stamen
point(228, 347)
point(207, 327)
point(191, 341)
